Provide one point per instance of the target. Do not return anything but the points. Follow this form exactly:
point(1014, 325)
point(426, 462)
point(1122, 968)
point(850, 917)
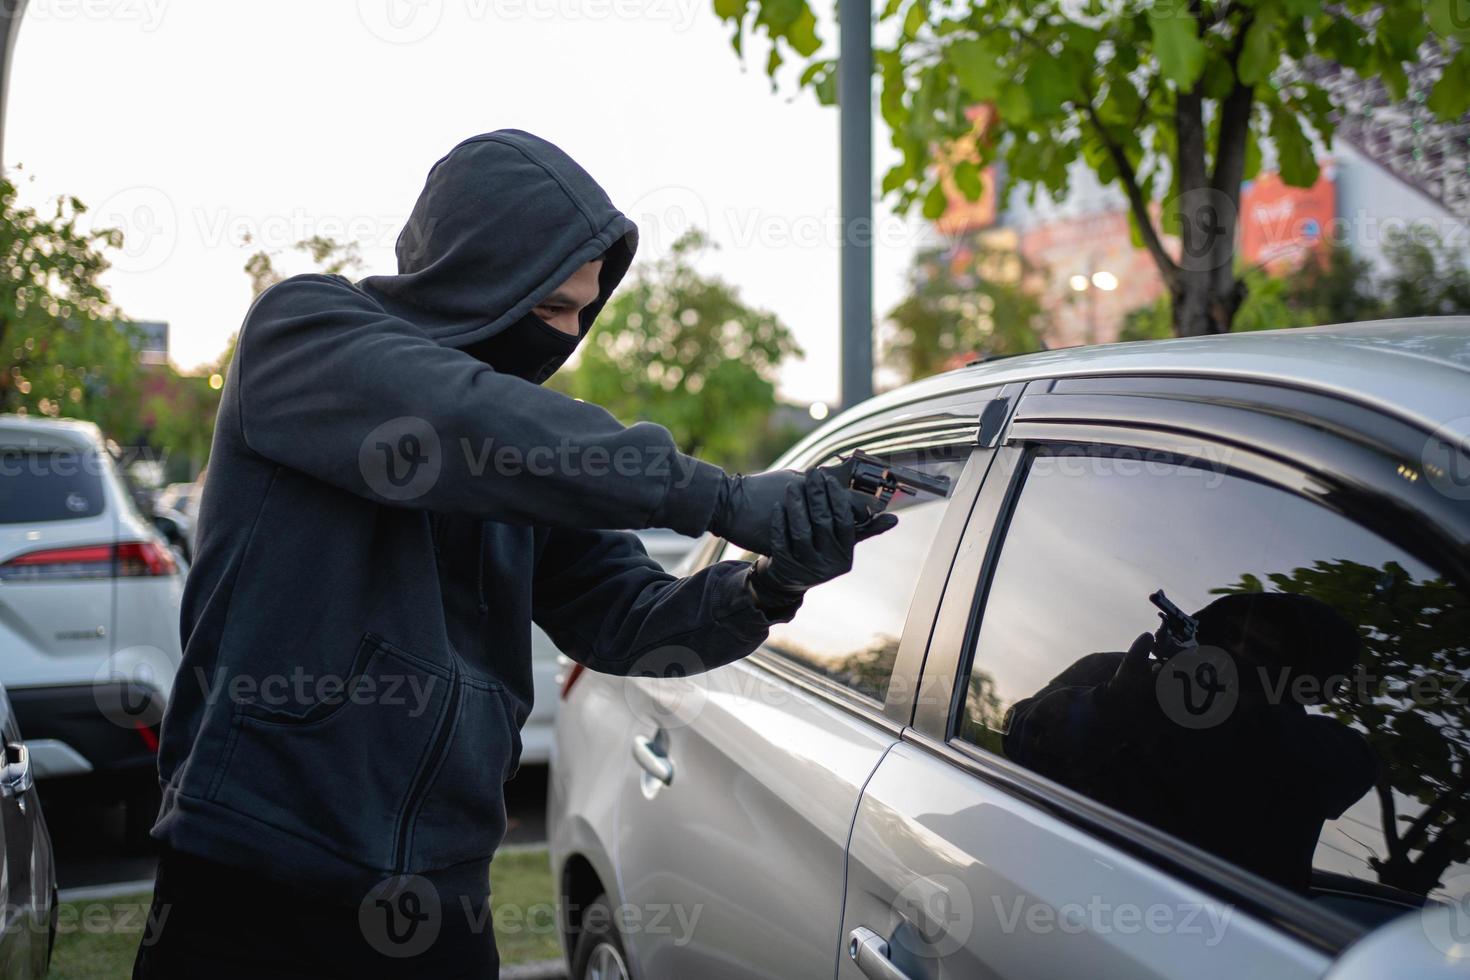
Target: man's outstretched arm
point(608, 605)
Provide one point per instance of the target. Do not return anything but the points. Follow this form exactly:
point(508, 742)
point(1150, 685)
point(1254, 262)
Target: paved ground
point(90, 851)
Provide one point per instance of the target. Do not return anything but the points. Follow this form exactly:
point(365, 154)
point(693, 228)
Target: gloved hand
point(865, 507)
point(744, 512)
point(813, 532)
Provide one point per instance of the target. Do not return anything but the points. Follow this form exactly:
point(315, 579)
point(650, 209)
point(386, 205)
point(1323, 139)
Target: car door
point(742, 782)
point(25, 885)
point(1249, 806)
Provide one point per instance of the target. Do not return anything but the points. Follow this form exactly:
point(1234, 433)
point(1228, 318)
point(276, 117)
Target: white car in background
point(665, 547)
point(89, 615)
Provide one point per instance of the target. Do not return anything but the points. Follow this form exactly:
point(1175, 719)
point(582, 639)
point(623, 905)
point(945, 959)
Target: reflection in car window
point(49, 485)
point(848, 629)
point(1317, 735)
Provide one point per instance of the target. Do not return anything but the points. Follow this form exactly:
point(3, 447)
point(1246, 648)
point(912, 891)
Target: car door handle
point(652, 759)
point(17, 778)
point(868, 950)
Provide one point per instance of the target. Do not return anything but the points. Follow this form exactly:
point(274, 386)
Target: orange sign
point(963, 215)
point(1281, 225)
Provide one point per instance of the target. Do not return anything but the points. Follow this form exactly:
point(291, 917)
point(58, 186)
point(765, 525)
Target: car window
point(848, 629)
point(1316, 736)
point(49, 485)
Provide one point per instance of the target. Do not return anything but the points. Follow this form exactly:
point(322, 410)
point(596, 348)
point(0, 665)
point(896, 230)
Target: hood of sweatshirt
point(504, 218)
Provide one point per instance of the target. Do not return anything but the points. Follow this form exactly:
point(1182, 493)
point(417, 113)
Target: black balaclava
point(503, 220)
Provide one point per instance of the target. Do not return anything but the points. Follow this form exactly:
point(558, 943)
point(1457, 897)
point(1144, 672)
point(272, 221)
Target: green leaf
point(778, 15)
point(935, 201)
point(895, 178)
point(1343, 42)
point(1295, 159)
point(731, 9)
point(977, 66)
point(890, 8)
point(967, 179)
point(915, 18)
point(1260, 53)
point(1450, 18)
point(1177, 45)
point(1047, 86)
point(1450, 98)
point(802, 34)
point(1014, 105)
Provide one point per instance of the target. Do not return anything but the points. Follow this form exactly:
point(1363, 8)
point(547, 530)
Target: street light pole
point(855, 125)
point(10, 14)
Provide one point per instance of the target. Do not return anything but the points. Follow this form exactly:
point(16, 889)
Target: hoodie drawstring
point(480, 572)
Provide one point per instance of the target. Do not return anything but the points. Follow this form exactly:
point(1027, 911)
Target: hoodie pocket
point(337, 770)
point(462, 813)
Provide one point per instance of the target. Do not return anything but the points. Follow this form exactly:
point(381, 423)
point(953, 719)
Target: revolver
point(1177, 630)
point(872, 476)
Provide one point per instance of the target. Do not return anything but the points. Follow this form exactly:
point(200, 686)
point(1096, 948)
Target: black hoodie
point(385, 517)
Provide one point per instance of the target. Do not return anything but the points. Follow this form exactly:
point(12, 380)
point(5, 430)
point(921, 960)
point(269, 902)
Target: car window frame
point(1329, 450)
point(950, 421)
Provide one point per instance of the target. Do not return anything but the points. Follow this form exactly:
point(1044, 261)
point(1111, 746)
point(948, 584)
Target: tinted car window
point(848, 629)
point(1318, 734)
point(38, 486)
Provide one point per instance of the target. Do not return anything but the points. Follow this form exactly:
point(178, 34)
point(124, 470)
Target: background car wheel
point(600, 954)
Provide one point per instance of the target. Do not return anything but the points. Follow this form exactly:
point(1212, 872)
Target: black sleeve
point(329, 384)
point(608, 605)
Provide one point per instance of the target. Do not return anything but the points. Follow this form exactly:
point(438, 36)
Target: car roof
point(1417, 369)
point(27, 431)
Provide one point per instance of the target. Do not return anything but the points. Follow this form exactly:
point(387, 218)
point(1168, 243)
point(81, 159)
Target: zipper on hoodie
point(431, 764)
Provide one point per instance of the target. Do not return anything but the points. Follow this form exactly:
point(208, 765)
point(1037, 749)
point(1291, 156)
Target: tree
point(1426, 277)
point(1168, 99)
point(673, 333)
point(71, 352)
point(980, 310)
point(1407, 705)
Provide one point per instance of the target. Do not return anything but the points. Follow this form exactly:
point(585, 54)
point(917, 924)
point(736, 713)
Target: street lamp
point(1092, 282)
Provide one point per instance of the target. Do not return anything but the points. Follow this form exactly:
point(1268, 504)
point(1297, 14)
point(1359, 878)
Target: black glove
point(813, 533)
point(865, 507)
point(743, 513)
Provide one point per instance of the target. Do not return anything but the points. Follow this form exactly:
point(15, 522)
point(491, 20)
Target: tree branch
point(1137, 202)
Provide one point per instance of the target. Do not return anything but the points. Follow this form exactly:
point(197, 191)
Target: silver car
point(1174, 683)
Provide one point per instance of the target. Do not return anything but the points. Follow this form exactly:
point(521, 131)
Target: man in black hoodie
point(393, 500)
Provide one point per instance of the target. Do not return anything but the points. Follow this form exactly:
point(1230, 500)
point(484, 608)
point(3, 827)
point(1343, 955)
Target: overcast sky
point(190, 123)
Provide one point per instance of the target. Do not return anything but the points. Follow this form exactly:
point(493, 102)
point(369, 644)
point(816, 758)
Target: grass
point(97, 940)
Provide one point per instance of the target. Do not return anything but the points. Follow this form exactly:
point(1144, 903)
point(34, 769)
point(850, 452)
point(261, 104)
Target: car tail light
point(127, 559)
point(573, 672)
